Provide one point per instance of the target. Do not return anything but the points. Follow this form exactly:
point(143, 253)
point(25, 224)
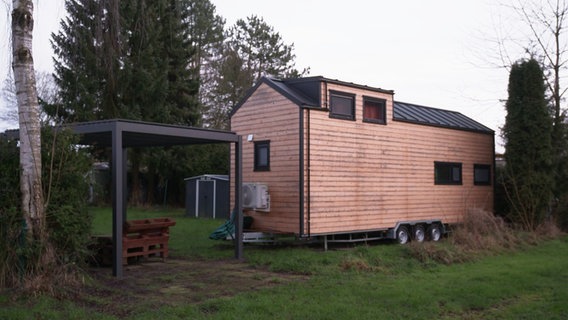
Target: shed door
point(206, 198)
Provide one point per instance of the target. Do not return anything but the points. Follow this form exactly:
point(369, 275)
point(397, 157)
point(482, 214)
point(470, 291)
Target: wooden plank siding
point(270, 116)
point(367, 176)
point(358, 176)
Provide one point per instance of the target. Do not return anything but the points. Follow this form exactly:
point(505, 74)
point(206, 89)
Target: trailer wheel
point(402, 235)
point(419, 234)
point(434, 232)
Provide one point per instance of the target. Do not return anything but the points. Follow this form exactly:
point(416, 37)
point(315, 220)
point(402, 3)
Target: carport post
point(238, 199)
point(118, 195)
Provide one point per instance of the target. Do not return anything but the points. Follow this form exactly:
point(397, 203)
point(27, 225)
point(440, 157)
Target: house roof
point(305, 92)
point(414, 113)
point(302, 91)
point(291, 93)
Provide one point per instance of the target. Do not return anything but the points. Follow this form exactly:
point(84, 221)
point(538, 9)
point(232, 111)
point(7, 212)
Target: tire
point(434, 232)
point(418, 233)
point(402, 235)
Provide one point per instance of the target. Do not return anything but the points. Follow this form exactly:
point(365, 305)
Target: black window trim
point(257, 146)
point(482, 166)
point(452, 165)
point(375, 99)
point(344, 95)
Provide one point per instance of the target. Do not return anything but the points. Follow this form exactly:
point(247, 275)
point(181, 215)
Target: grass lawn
point(378, 281)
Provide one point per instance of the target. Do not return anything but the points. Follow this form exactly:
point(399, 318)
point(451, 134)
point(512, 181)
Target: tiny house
point(324, 157)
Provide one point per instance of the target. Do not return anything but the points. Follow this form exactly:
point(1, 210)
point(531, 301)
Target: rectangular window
point(342, 105)
point(447, 173)
point(262, 155)
point(481, 174)
point(374, 110)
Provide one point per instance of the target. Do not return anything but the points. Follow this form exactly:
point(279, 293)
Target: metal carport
point(121, 134)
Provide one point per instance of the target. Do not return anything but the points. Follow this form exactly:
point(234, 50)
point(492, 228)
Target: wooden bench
point(146, 238)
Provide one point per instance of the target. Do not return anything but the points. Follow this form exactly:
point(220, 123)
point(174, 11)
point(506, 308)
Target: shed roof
point(223, 177)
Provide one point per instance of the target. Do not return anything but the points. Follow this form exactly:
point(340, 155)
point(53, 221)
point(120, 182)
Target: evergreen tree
point(179, 51)
point(261, 49)
point(252, 50)
point(527, 135)
point(206, 34)
point(87, 61)
point(128, 59)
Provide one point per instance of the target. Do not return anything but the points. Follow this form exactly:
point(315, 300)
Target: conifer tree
point(252, 49)
point(527, 135)
point(127, 59)
point(87, 61)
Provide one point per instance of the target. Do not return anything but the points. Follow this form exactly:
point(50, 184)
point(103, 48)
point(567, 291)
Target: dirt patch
point(154, 284)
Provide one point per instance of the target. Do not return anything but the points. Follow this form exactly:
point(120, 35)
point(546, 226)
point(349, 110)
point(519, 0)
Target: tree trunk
point(136, 198)
point(29, 121)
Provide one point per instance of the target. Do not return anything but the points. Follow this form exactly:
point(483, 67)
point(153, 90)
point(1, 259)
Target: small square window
point(481, 174)
point(447, 173)
point(342, 105)
point(374, 110)
point(262, 156)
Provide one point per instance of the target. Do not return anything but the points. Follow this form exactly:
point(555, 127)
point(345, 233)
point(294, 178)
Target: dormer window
point(374, 110)
point(342, 105)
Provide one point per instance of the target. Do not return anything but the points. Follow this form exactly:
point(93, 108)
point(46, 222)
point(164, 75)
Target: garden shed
point(207, 196)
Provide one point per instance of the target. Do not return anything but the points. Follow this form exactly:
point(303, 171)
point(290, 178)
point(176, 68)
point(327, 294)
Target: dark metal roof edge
point(336, 81)
point(488, 131)
point(271, 83)
point(154, 128)
point(290, 93)
point(132, 124)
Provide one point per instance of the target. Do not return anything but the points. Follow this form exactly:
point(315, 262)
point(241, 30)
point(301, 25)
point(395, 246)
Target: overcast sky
point(438, 53)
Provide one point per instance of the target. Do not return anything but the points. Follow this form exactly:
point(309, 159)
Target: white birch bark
point(29, 117)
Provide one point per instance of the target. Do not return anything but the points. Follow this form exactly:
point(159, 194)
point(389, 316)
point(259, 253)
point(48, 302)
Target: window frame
point(383, 107)
point(258, 146)
point(453, 165)
point(478, 166)
point(344, 95)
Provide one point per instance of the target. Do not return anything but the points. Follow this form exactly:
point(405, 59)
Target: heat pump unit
point(256, 197)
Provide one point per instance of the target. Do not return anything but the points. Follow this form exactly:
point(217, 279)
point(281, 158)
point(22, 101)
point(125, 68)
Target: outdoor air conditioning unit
point(256, 197)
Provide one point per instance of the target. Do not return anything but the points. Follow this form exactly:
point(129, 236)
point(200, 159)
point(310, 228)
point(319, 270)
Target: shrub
point(65, 169)
point(480, 233)
point(10, 217)
point(66, 180)
point(481, 230)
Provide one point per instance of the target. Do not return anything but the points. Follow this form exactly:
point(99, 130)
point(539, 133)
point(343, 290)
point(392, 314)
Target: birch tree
point(32, 207)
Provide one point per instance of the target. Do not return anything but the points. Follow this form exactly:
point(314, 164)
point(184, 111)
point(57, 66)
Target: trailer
point(339, 161)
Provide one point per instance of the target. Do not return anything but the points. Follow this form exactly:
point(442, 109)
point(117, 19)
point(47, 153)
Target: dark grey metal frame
point(123, 134)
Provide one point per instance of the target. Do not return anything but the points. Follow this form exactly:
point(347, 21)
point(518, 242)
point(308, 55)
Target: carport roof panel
point(147, 134)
